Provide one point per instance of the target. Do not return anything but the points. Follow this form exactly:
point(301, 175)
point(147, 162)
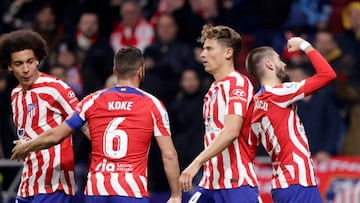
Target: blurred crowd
point(83, 36)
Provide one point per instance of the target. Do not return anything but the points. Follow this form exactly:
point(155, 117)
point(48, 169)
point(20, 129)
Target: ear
point(269, 64)
point(229, 53)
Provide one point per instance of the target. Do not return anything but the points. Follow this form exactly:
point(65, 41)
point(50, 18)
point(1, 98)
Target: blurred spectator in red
point(133, 29)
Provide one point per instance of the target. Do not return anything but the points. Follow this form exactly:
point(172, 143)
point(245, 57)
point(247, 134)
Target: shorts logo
point(31, 110)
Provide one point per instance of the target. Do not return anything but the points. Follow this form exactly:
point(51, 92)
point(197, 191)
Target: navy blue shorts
point(114, 199)
point(296, 194)
point(56, 197)
point(243, 194)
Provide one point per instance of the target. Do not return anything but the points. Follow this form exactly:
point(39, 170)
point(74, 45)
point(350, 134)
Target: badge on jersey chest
point(31, 110)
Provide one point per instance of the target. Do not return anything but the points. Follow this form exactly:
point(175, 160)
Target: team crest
point(31, 110)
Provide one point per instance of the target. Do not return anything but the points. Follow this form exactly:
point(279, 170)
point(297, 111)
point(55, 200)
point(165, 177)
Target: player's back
point(122, 121)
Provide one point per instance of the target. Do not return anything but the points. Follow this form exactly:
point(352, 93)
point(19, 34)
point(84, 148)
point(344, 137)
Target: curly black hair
point(20, 40)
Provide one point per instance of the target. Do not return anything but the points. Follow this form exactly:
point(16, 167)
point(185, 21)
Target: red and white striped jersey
point(122, 121)
point(44, 106)
point(233, 167)
point(276, 124)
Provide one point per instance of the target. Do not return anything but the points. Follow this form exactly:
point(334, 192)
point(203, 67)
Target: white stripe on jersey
point(41, 179)
point(100, 184)
point(293, 136)
point(88, 189)
point(114, 182)
point(133, 185)
point(156, 128)
point(301, 168)
point(88, 104)
point(282, 179)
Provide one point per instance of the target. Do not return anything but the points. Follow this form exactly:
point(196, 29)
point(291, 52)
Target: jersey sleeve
point(160, 118)
point(239, 97)
point(324, 73)
point(66, 99)
point(291, 92)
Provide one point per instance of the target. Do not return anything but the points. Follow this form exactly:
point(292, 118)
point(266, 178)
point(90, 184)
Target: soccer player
point(227, 159)
point(122, 121)
point(275, 121)
point(40, 102)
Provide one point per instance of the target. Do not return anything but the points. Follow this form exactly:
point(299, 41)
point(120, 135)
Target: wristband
point(304, 45)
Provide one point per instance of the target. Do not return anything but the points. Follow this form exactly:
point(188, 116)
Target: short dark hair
point(127, 61)
point(20, 40)
point(254, 57)
point(225, 35)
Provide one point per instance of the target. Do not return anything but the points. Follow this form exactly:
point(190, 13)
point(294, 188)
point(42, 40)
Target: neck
point(223, 71)
point(127, 82)
point(271, 82)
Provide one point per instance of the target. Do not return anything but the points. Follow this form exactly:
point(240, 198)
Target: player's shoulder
point(50, 81)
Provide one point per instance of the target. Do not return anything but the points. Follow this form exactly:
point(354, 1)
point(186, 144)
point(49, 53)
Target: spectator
point(349, 90)
point(45, 24)
point(93, 52)
point(186, 110)
point(174, 52)
point(66, 58)
point(133, 30)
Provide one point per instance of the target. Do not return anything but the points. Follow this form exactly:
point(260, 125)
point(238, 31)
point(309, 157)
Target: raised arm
point(45, 140)
point(324, 72)
point(171, 166)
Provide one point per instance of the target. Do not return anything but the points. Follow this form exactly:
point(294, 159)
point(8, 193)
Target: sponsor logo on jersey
point(105, 166)
point(239, 92)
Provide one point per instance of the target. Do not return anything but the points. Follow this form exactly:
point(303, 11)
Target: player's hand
point(174, 200)
point(187, 176)
point(293, 44)
point(18, 152)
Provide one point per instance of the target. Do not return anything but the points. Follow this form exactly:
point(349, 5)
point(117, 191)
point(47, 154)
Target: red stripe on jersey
point(235, 172)
point(220, 169)
point(50, 169)
point(108, 187)
point(124, 184)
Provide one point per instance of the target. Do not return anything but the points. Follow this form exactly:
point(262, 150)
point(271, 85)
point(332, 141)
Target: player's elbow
point(170, 155)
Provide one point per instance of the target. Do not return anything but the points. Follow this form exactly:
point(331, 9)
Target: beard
point(280, 73)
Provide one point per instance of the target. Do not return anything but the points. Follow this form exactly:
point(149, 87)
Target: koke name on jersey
point(120, 105)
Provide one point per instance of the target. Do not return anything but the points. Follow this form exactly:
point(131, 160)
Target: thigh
point(246, 194)
point(114, 199)
point(56, 197)
point(296, 194)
